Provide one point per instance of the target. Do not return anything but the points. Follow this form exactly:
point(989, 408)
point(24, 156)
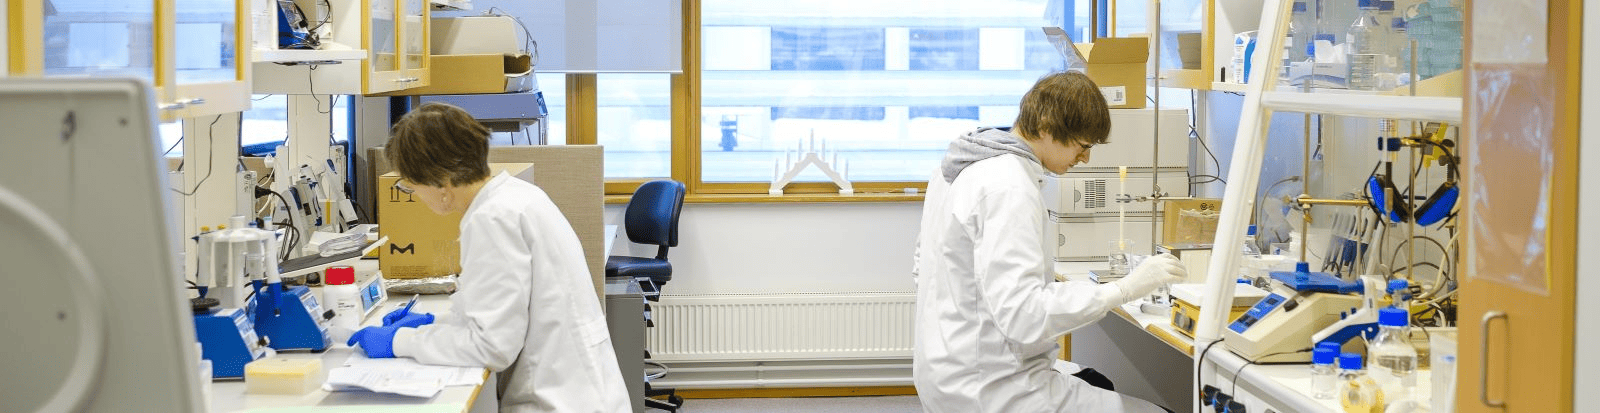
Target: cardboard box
point(1117, 65)
point(421, 243)
point(475, 73)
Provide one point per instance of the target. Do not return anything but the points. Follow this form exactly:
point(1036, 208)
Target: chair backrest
point(652, 214)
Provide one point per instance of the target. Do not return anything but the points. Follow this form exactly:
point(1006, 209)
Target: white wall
point(1587, 365)
point(788, 248)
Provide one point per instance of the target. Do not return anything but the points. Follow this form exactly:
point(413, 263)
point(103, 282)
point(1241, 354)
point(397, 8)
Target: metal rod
point(1307, 201)
point(1155, 155)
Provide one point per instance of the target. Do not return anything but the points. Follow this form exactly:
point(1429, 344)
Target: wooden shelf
point(295, 55)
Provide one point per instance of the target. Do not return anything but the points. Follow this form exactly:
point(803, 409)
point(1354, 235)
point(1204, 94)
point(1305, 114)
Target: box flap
point(518, 64)
point(1119, 50)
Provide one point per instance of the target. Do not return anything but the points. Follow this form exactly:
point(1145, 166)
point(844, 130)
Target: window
point(884, 86)
point(634, 123)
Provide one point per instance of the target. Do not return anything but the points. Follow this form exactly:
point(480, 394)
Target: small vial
point(1323, 375)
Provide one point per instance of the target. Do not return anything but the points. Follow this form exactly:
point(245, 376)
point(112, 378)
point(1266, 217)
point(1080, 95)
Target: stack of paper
point(401, 376)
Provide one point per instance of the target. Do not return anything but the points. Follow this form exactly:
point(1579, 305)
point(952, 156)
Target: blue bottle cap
point(1397, 285)
point(1331, 345)
point(1324, 355)
point(1393, 317)
point(1350, 361)
point(1300, 6)
point(1367, 4)
point(1385, 5)
point(1251, 230)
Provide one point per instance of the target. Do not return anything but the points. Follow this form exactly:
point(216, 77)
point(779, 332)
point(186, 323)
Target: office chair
point(652, 218)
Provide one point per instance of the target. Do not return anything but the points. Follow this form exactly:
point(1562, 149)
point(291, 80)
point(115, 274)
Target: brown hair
point(1067, 106)
point(439, 145)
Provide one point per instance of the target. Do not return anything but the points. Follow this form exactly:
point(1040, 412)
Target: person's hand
point(411, 320)
point(396, 315)
point(1155, 271)
point(377, 342)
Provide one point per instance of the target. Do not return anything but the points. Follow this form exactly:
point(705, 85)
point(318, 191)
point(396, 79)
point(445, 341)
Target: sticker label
point(1115, 95)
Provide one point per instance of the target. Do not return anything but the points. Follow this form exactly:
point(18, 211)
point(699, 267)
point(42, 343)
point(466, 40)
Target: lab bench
point(229, 395)
point(1147, 358)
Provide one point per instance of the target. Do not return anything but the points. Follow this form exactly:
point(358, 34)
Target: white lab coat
point(988, 307)
point(524, 307)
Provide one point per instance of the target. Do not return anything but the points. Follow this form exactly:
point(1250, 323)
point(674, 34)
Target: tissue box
point(278, 375)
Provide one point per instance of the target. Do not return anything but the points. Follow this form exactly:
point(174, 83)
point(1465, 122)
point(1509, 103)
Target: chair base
point(672, 403)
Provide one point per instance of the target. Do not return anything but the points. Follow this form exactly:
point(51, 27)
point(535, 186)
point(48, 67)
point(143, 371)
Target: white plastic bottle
point(1366, 55)
point(340, 292)
point(1394, 360)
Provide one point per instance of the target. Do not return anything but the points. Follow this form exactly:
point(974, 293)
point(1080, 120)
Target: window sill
point(786, 198)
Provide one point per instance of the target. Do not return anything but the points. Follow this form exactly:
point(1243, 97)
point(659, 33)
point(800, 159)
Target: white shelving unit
point(1260, 102)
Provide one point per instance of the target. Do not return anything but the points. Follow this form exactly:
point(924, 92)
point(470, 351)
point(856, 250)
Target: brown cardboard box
point(1117, 65)
point(475, 73)
point(422, 243)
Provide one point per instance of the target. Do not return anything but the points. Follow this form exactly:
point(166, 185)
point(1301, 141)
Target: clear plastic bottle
point(1357, 392)
point(1366, 53)
point(1323, 375)
point(1394, 360)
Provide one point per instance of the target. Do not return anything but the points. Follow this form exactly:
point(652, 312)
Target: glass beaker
point(1117, 256)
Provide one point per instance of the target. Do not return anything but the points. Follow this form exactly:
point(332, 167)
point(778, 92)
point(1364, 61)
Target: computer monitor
point(95, 313)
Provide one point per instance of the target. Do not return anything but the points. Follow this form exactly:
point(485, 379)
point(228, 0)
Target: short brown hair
point(439, 145)
point(1067, 106)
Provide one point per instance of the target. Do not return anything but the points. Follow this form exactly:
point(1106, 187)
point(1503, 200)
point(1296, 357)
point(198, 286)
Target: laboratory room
point(777, 206)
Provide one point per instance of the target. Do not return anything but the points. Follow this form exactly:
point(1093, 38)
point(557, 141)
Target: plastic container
point(278, 375)
point(1357, 392)
point(1323, 375)
point(339, 290)
point(1394, 366)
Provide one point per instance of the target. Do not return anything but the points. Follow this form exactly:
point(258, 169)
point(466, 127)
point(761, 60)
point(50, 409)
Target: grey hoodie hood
point(981, 144)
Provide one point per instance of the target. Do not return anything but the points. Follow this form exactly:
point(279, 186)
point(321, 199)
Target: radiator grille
point(781, 327)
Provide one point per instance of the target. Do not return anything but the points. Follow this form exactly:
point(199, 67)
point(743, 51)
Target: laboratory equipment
point(94, 310)
point(290, 318)
point(1362, 321)
point(1394, 359)
point(286, 318)
point(228, 339)
point(1117, 257)
point(372, 293)
point(1324, 378)
point(1279, 328)
point(1186, 303)
point(294, 31)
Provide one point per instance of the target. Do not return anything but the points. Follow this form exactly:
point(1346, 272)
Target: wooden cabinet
point(368, 47)
point(186, 49)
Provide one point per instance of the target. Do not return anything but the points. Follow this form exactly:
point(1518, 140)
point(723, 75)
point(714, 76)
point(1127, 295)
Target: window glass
point(635, 124)
point(881, 87)
point(99, 37)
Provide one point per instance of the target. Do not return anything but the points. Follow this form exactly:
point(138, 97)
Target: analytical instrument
point(1280, 326)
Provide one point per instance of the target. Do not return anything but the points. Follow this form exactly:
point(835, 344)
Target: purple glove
point(377, 342)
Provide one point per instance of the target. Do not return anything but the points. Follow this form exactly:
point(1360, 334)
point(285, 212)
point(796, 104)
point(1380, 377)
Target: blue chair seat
point(659, 271)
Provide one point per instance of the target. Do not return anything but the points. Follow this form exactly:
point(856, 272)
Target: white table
point(230, 396)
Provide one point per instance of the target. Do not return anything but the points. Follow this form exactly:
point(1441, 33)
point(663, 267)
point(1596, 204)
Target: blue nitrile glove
point(396, 315)
point(377, 342)
point(411, 320)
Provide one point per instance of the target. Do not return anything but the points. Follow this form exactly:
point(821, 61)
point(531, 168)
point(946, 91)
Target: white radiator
point(781, 327)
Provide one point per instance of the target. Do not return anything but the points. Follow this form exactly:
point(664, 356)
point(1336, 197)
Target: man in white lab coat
point(989, 309)
point(525, 306)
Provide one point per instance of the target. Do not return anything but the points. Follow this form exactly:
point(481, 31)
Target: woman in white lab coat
point(989, 309)
point(525, 305)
